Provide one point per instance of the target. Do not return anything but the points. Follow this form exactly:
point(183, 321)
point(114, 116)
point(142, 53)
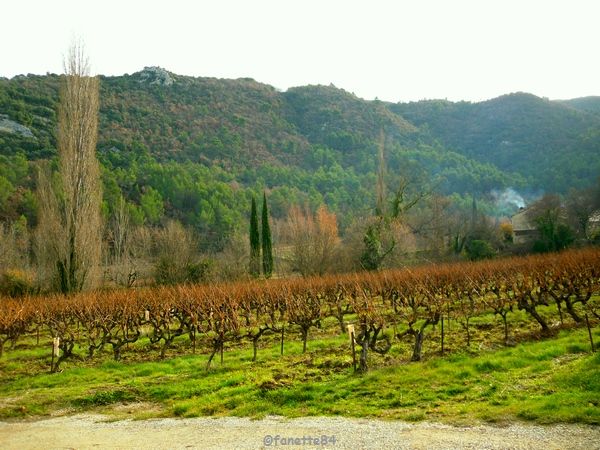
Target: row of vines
point(378, 304)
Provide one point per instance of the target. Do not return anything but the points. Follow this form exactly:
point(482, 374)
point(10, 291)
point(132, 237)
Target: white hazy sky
point(394, 50)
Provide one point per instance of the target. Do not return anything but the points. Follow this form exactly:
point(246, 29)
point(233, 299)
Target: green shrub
point(477, 249)
point(167, 271)
point(16, 283)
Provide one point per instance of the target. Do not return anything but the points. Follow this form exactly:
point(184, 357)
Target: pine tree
point(267, 248)
point(254, 242)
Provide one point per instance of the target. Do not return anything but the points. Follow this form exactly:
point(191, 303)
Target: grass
point(546, 381)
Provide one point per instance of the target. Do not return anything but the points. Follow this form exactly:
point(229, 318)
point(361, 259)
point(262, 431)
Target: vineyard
point(376, 309)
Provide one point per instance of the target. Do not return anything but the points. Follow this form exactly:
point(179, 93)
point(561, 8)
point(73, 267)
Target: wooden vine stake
point(589, 328)
point(442, 323)
point(221, 352)
point(193, 333)
point(55, 351)
point(351, 336)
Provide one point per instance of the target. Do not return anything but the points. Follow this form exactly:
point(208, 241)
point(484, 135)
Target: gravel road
point(93, 432)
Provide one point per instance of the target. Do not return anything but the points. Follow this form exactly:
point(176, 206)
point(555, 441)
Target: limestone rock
point(156, 75)
point(12, 127)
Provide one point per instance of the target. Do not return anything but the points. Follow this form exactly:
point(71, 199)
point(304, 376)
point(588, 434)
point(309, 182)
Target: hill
point(587, 104)
point(197, 149)
point(554, 146)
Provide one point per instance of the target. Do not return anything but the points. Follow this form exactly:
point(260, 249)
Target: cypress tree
point(254, 242)
point(267, 248)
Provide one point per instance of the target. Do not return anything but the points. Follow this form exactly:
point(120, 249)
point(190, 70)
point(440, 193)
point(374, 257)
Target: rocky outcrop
point(156, 75)
point(9, 126)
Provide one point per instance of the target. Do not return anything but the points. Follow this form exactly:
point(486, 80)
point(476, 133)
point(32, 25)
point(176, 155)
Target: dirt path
point(93, 432)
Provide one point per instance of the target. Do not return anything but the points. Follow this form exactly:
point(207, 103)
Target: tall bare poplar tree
point(70, 223)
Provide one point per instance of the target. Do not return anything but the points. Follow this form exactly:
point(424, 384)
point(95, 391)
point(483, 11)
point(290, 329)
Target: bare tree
point(119, 259)
point(120, 230)
point(379, 237)
point(70, 232)
point(581, 205)
point(14, 245)
point(178, 258)
point(232, 261)
point(314, 240)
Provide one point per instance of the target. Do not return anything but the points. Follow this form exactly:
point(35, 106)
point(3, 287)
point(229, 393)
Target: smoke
point(508, 199)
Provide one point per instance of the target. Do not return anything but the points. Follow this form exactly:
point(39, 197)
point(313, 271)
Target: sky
point(392, 50)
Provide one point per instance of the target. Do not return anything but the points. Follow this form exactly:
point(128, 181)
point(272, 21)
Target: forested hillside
point(589, 104)
point(197, 149)
point(554, 145)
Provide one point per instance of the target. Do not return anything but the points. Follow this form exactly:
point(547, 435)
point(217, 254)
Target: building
point(524, 229)
point(594, 223)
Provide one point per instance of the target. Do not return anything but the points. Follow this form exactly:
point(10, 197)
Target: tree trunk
point(468, 334)
point(67, 352)
point(254, 347)
point(117, 352)
point(419, 336)
point(362, 365)
point(340, 318)
point(505, 327)
point(571, 311)
point(540, 320)
point(304, 339)
point(163, 349)
point(212, 355)
point(560, 314)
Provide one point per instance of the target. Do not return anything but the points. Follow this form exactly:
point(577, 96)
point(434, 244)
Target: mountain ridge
point(222, 140)
point(212, 120)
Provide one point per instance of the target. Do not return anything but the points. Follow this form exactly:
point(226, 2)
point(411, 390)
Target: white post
point(56, 348)
point(351, 332)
